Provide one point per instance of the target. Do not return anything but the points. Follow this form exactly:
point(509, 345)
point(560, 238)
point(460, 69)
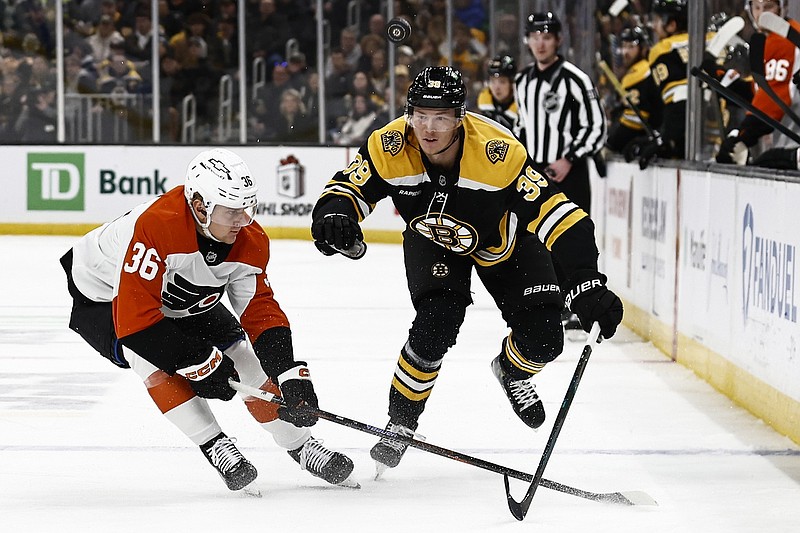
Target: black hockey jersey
point(493, 194)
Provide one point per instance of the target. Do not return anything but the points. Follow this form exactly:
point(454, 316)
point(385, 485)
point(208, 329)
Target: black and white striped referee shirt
point(560, 114)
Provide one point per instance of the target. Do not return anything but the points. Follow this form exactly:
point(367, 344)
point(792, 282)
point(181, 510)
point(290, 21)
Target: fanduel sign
point(769, 273)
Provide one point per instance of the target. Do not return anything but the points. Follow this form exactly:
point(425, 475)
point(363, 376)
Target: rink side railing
point(704, 259)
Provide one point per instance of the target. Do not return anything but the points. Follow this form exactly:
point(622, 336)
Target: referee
point(560, 120)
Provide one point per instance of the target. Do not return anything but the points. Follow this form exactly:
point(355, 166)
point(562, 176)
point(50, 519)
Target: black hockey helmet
point(635, 34)
point(670, 7)
point(440, 88)
point(543, 22)
point(717, 20)
point(502, 66)
point(670, 10)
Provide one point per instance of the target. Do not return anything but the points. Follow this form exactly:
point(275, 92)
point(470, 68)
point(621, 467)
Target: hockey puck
point(398, 30)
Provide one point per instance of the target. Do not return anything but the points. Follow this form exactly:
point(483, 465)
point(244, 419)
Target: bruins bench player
point(471, 198)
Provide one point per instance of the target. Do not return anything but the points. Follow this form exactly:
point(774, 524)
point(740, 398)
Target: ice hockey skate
point(333, 467)
point(387, 452)
point(237, 472)
point(522, 395)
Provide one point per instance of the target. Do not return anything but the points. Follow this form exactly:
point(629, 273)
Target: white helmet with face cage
point(748, 4)
point(222, 179)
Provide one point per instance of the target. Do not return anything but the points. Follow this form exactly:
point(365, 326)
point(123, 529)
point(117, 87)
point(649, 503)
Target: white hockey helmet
point(224, 181)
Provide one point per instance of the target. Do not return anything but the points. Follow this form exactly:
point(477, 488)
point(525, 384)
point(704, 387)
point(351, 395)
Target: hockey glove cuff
point(208, 375)
point(589, 298)
point(338, 233)
point(298, 394)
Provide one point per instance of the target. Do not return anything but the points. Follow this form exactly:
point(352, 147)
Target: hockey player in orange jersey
point(781, 69)
point(147, 291)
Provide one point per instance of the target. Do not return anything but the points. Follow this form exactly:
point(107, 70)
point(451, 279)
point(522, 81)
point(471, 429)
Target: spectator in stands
point(361, 121)
point(100, 41)
point(204, 83)
point(469, 53)
point(361, 86)
point(378, 72)
point(337, 86)
point(427, 54)
point(298, 72)
point(348, 42)
point(293, 123)
point(508, 41)
point(299, 14)
point(197, 25)
point(117, 74)
point(30, 18)
point(174, 87)
point(471, 12)
point(223, 50)
point(139, 44)
point(15, 76)
point(37, 123)
point(268, 33)
point(376, 32)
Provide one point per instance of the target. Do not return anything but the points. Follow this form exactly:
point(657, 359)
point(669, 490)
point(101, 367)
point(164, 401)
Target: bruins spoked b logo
point(496, 150)
point(458, 237)
point(440, 270)
point(392, 141)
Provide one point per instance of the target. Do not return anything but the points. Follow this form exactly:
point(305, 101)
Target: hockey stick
point(622, 498)
point(520, 508)
point(777, 24)
point(724, 35)
point(744, 104)
point(757, 42)
point(621, 91)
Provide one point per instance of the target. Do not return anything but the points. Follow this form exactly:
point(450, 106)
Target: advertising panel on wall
point(92, 184)
point(765, 324)
point(617, 215)
point(706, 295)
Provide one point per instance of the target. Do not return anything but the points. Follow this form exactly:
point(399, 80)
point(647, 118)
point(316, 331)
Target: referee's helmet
point(543, 22)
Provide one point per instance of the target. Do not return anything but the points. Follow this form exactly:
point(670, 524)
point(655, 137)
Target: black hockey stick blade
point(520, 508)
point(777, 24)
point(757, 43)
point(620, 498)
point(744, 104)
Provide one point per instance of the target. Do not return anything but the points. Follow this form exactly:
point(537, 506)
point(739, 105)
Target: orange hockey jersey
point(149, 264)
point(781, 64)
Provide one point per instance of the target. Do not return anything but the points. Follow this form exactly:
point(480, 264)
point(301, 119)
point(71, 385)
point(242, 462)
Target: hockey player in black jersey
point(638, 85)
point(471, 198)
point(668, 64)
point(496, 100)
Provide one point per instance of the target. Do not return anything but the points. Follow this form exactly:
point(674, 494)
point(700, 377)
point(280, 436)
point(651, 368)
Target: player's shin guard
point(413, 381)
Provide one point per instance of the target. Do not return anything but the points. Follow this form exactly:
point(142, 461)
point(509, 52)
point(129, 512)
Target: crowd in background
point(109, 76)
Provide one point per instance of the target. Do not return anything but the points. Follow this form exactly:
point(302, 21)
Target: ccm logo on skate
point(540, 288)
point(198, 372)
point(304, 373)
point(583, 287)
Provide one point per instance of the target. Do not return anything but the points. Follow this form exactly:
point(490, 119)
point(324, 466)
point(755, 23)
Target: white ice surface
point(83, 448)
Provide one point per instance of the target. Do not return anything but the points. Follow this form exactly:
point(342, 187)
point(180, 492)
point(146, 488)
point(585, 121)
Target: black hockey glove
point(779, 158)
point(633, 148)
point(338, 233)
point(589, 298)
point(730, 147)
point(298, 392)
point(208, 375)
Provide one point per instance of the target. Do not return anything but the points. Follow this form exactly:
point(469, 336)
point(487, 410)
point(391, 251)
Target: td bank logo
point(55, 182)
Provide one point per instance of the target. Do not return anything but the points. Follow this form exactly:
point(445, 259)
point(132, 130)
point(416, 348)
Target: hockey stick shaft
point(625, 96)
point(609, 497)
point(520, 509)
point(757, 49)
point(744, 104)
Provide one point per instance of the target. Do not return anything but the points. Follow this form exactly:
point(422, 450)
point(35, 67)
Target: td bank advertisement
point(94, 184)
